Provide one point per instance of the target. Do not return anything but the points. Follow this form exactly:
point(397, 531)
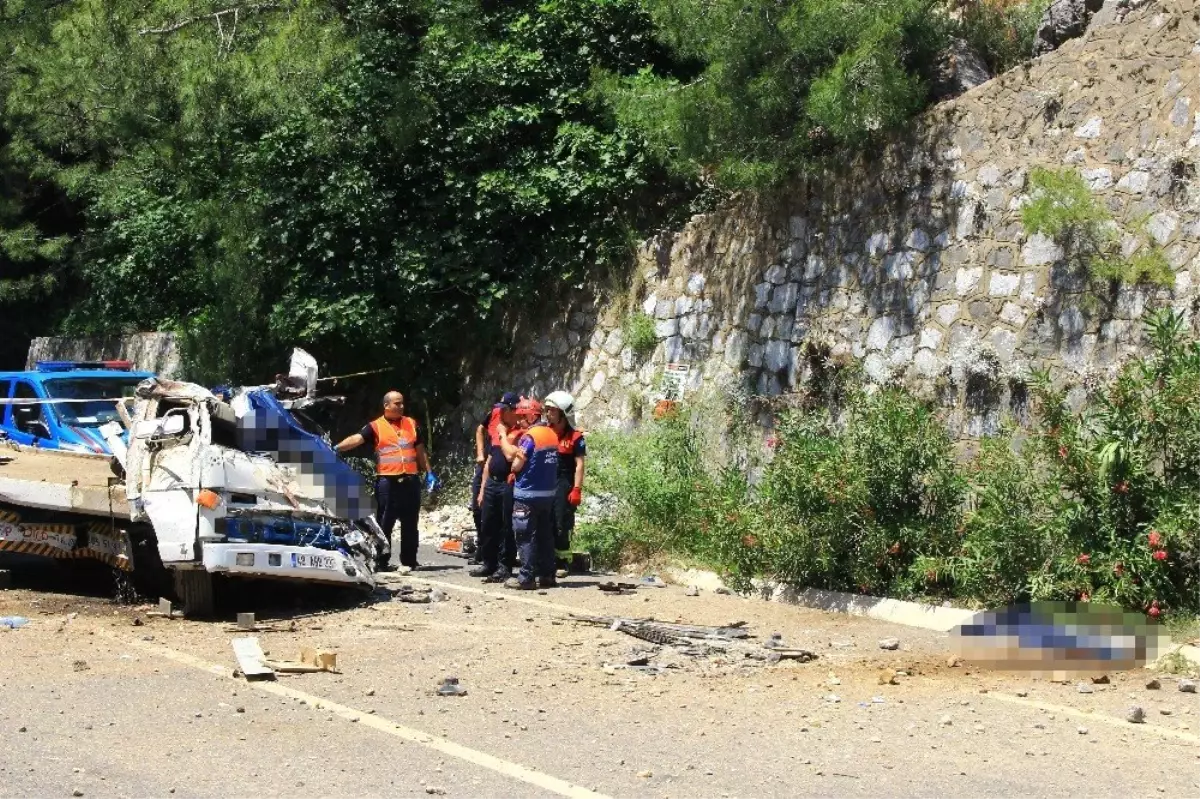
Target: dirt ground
point(107, 700)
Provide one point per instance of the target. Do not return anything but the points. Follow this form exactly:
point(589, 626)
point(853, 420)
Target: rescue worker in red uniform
point(400, 452)
point(535, 464)
point(497, 552)
point(572, 454)
point(484, 432)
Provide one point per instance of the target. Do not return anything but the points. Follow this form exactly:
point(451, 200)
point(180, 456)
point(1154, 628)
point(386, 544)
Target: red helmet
point(529, 409)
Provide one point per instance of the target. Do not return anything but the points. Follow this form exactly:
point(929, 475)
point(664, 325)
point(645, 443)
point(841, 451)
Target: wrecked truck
point(198, 485)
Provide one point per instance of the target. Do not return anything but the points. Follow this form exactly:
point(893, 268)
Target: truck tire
point(194, 588)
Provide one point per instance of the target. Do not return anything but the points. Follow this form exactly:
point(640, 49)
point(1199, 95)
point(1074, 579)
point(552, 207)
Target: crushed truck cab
point(238, 488)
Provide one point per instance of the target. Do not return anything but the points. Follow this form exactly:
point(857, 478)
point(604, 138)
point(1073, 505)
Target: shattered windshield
point(99, 390)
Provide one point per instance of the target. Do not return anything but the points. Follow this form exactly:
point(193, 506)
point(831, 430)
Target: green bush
point(639, 333)
point(1002, 31)
point(1097, 506)
point(856, 502)
point(668, 502)
point(1063, 208)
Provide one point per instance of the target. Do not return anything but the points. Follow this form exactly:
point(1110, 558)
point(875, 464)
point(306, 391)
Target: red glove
point(512, 478)
point(575, 496)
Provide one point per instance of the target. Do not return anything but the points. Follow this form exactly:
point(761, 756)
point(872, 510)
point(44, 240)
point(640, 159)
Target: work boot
point(483, 570)
point(500, 575)
point(560, 572)
point(547, 582)
point(515, 584)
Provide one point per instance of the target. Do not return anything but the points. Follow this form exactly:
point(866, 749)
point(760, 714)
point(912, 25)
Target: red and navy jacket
point(571, 445)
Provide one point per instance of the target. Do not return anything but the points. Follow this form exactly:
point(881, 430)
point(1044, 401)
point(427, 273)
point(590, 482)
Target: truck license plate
point(314, 562)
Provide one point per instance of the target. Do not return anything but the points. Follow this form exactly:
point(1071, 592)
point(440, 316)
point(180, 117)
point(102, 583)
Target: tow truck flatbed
point(61, 481)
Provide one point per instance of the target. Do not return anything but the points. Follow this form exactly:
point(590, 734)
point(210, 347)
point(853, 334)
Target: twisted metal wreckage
point(240, 483)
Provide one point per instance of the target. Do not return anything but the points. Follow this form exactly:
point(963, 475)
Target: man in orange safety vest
point(400, 451)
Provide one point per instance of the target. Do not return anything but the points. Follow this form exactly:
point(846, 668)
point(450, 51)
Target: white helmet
point(561, 400)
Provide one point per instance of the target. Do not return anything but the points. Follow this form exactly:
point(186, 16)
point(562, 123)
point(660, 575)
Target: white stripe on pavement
point(506, 768)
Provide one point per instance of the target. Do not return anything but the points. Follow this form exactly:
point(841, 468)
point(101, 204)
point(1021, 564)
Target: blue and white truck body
point(202, 487)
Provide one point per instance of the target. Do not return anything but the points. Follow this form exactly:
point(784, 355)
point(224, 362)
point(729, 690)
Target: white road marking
point(1097, 717)
point(507, 768)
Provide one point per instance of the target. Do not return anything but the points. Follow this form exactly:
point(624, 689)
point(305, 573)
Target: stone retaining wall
point(915, 261)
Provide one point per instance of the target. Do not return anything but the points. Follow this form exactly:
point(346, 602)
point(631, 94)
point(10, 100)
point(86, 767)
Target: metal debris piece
point(451, 687)
point(616, 588)
point(730, 631)
point(791, 653)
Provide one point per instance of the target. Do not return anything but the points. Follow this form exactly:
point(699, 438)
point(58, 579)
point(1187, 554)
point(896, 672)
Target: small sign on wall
point(674, 381)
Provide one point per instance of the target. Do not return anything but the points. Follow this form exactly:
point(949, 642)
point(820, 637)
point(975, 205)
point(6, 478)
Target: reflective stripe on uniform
point(396, 446)
point(518, 494)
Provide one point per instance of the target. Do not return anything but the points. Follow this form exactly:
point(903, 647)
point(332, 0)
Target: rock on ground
point(960, 69)
point(1063, 20)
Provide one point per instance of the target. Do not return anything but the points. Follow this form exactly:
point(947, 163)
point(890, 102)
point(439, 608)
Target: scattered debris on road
point(13, 622)
point(1135, 714)
point(617, 588)
point(1187, 686)
point(692, 591)
point(451, 687)
point(890, 644)
point(1153, 685)
point(310, 660)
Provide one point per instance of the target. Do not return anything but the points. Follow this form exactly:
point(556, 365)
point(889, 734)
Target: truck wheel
point(194, 588)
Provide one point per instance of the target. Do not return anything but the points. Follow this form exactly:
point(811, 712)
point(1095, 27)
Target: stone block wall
point(914, 260)
point(149, 352)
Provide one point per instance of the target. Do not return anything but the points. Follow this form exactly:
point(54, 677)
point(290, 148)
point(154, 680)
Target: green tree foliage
point(762, 88)
point(36, 220)
point(378, 180)
point(1002, 31)
point(1063, 208)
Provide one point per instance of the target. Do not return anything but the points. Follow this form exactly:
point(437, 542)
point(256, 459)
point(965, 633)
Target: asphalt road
point(92, 704)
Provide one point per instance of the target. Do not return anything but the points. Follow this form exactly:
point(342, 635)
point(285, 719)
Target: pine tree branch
point(216, 16)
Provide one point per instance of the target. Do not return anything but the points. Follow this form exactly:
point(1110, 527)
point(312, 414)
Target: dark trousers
point(496, 544)
point(533, 527)
point(476, 508)
point(564, 517)
point(398, 499)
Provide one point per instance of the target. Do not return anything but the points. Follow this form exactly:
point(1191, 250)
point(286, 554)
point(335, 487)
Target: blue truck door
point(5, 390)
point(27, 423)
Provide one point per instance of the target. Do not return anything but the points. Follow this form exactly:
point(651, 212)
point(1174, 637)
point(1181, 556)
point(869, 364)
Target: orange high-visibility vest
point(396, 446)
